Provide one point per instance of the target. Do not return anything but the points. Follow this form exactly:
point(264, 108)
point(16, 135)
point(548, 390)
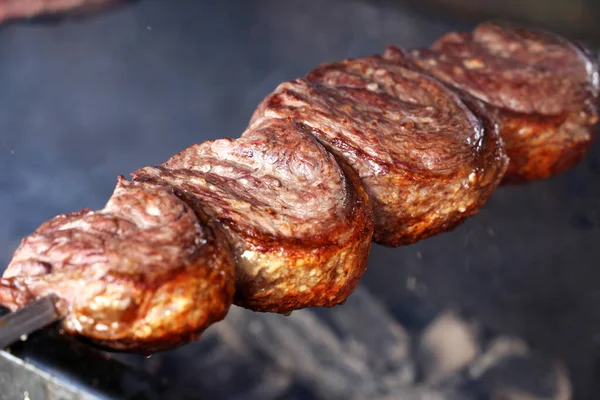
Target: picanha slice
point(425, 159)
point(145, 273)
point(541, 89)
point(300, 222)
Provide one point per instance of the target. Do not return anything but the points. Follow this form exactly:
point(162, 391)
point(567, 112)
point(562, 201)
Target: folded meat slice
point(425, 159)
point(145, 273)
point(541, 89)
point(300, 223)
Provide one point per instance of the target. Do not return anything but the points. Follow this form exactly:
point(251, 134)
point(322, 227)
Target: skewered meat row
point(362, 149)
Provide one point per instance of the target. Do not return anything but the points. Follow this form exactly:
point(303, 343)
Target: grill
point(85, 99)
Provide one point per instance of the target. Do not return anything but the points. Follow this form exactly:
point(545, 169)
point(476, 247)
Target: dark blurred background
point(85, 99)
point(576, 18)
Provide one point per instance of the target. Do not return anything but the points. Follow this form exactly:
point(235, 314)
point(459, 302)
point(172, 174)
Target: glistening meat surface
point(425, 159)
point(541, 89)
point(145, 273)
point(299, 221)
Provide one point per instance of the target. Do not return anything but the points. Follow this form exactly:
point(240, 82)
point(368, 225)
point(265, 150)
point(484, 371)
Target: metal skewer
point(26, 320)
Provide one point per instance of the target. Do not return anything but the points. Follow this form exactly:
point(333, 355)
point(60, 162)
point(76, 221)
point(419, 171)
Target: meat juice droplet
point(287, 313)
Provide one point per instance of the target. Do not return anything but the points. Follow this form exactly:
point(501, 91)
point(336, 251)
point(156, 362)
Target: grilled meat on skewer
point(424, 158)
point(300, 223)
point(541, 89)
point(295, 197)
point(145, 273)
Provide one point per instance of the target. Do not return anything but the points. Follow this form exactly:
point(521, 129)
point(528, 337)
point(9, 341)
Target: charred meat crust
point(426, 161)
point(541, 89)
point(302, 260)
point(146, 273)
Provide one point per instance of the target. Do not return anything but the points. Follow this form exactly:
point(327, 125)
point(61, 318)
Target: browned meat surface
point(145, 273)
point(541, 89)
point(300, 224)
point(425, 159)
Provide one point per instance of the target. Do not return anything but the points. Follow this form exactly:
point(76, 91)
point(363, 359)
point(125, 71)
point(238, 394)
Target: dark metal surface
point(20, 380)
point(85, 100)
point(26, 320)
point(49, 367)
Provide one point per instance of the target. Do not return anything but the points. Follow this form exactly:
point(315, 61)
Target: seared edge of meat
point(145, 273)
point(299, 222)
